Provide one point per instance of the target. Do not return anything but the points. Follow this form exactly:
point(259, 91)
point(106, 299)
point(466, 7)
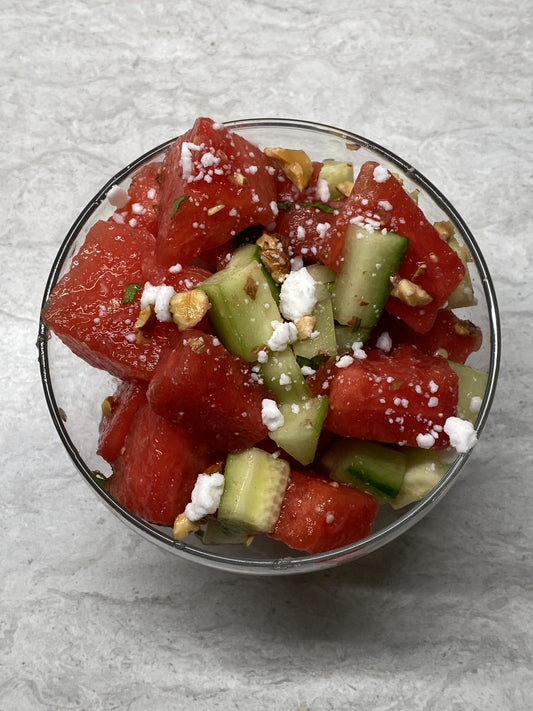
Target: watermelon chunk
point(155, 474)
point(115, 424)
point(214, 184)
point(318, 515)
point(86, 310)
point(380, 198)
point(209, 391)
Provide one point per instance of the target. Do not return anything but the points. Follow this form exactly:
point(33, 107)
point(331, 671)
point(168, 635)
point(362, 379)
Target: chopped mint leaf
point(130, 292)
point(284, 205)
point(177, 202)
point(155, 208)
point(319, 205)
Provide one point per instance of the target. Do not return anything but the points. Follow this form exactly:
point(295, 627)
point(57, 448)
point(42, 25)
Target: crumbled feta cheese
point(205, 497)
point(322, 190)
point(298, 295)
point(284, 334)
point(262, 356)
point(297, 263)
point(433, 402)
point(174, 269)
point(461, 433)
point(433, 387)
point(385, 205)
point(425, 441)
point(138, 209)
point(158, 297)
point(118, 197)
point(357, 350)
point(384, 342)
point(307, 370)
point(344, 361)
point(381, 174)
point(186, 158)
point(271, 415)
point(475, 404)
point(284, 379)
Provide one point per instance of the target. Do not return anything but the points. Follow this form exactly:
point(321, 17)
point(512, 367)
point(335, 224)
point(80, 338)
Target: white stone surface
point(94, 617)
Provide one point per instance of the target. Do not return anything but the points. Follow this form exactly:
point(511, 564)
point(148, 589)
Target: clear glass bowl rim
point(287, 564)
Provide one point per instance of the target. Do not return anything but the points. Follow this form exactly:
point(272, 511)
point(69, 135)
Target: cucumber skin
point(299, 435)
point(255, 484)
point(371, 466)
point(362, 288)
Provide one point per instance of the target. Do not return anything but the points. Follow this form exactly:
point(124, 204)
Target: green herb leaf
point(319, 205)
point(155, 208)
point(284, 205)
point(177, 202)
point(130, 292)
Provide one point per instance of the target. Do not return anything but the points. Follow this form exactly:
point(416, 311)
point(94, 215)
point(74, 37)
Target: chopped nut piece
point(421, 270)
point(410, 293)
point(144, 316)
point(143, 325)
point(197, 344)
point(464, 328)
point(239, 179)
point(107, 406)
point(345, 187)
point(352, 146)
point(249, 540)
point(445, 229)
point(182, 526)
point(216, 208)
point(296, 165)
point(305, 327)
point(188, 308)
point(275, 259)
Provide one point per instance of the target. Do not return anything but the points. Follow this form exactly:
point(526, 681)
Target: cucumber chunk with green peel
point(255, 483)
point(242, 304)
point(335, 172)
point(424, 469)
point(212, 534)
point(472, 386)
point(346, 337)
point(323, 342)
point(299, 434)
point(283, 376)
point(363, 284)
point(371, 466)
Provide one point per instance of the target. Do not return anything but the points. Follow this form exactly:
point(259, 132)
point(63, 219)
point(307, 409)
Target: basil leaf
point(177, 202)
point(130, 292)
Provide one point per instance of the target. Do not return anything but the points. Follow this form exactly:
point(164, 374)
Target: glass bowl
point(74, 390)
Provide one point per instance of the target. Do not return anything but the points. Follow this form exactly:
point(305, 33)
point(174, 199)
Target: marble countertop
point(92, 616)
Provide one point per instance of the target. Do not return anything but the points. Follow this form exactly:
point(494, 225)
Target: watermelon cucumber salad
point(285, 341)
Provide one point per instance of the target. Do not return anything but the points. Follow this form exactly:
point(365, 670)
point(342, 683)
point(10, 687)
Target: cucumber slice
point(242, 304)
point(324, 344)
point(299, 434)
point(255, 484)
point(370, 466)
point(335, 172)
point(212, 534)
point(472, 386)
point(363, 283)
point(425, 468)
point(283, 376)
point(346, 336)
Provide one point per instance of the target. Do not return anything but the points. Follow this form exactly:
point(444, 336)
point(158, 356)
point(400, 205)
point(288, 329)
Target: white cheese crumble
point(298, 295)
point(425, 441)
point(158, 297)
point(284, 334)
point(344, 361)
point(186, 158)
point(357, 350)
point(271, 415)
point(175, 268)
point(461, 433)
point(118, 197)
point(475, 404)
point(384, 342)
point(205, 497)
point(262, 356)
point(307, 370)
point(322, 190)
point(381, 174)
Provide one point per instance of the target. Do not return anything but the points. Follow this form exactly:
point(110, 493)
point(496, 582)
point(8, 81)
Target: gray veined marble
point(92, 616)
